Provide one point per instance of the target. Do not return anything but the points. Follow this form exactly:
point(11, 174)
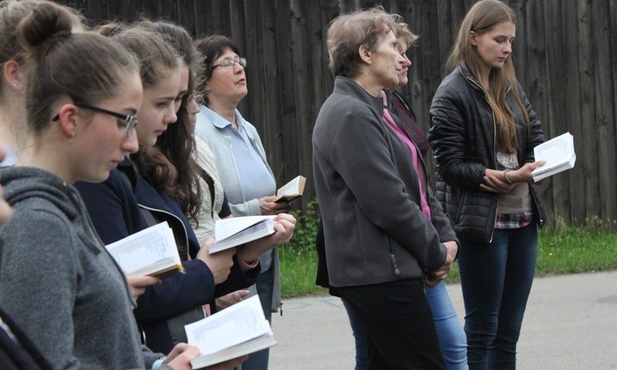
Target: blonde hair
point(482, 18)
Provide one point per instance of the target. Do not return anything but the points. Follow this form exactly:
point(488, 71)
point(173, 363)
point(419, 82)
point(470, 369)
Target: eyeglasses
point(229, 63)
point(130, 121)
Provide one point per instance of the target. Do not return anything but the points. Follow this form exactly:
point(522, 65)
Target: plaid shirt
point(513, 220)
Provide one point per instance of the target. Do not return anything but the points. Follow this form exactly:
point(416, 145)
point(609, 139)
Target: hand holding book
point(559, 156)
point(220, 264)
point(235, 331)
point(284, 226)
point(269, 207)
point(138, 284)
point(181, 355)
point(253, 235)
point(291, 191)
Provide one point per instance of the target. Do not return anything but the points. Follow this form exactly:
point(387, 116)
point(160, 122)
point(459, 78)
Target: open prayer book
point(291, 191)
point(234, 231)
point(236, 331)
point(151, 251)
point(559, 156)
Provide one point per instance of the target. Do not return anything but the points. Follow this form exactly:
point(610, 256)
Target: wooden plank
point(237, 20)
point(588, 185)
point(187, 15)
point(204, 19)
point(425, 71)
point(530, 47)
point(221, 14)
point(308, 27)
point(291, 72)
point(267, 88)
point(604, 111)
point(554, 193)
point(572, 86)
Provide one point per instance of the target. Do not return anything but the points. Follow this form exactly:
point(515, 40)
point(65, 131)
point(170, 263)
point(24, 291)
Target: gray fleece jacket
point(375, 231)
point(58, 282)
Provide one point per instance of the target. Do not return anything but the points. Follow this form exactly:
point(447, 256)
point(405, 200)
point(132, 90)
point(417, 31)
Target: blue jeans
point(496, 280)
point(450, 332)
point(265, 282)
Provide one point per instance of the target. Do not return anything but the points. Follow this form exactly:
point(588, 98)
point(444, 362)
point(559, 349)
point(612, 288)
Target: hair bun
point(47, 22)
point(111, 29)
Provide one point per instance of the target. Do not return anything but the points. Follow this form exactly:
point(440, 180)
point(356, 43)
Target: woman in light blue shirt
point(240, 159)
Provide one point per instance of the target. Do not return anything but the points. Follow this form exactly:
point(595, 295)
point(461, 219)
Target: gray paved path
point(570, 324)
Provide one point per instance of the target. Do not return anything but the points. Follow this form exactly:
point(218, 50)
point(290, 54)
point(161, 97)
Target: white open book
point(236, 331)
point(291, 191)
point(559, 156)
point(234, 231)
point(151, 251)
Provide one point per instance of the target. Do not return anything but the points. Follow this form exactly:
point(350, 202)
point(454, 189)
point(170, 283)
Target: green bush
point(299, 257)
point(303, 240)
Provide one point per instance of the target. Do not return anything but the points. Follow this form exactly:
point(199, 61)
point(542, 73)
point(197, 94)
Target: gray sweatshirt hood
point(29, 183)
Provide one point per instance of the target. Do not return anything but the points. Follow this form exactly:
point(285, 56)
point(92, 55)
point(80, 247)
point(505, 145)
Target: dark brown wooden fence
point(565, 55)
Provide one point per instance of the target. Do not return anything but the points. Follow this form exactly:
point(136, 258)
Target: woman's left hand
point(431, 279)
point(494, 182)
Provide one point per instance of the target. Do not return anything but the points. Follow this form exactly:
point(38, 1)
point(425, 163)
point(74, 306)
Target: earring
point(14, 84)
point(71, 137)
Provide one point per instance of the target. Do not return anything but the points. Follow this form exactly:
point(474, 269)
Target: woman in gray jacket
point(378, 242)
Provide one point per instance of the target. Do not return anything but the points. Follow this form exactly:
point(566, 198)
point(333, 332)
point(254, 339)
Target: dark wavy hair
point(157, 59)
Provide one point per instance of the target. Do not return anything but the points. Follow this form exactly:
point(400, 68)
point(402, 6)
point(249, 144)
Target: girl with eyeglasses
point(59, 284)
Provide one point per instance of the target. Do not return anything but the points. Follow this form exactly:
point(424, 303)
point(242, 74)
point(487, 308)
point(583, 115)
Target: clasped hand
point(495, 180)
point(433, 278)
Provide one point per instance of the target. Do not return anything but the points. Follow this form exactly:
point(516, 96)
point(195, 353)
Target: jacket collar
point(345, 85)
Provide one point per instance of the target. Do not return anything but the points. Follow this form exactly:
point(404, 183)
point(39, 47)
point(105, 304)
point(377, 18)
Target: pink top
point(414, 157)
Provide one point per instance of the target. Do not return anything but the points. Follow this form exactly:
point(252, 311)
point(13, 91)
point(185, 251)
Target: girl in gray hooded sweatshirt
point(57, 281)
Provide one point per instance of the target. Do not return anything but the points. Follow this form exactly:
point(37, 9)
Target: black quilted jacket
point(462, 137)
